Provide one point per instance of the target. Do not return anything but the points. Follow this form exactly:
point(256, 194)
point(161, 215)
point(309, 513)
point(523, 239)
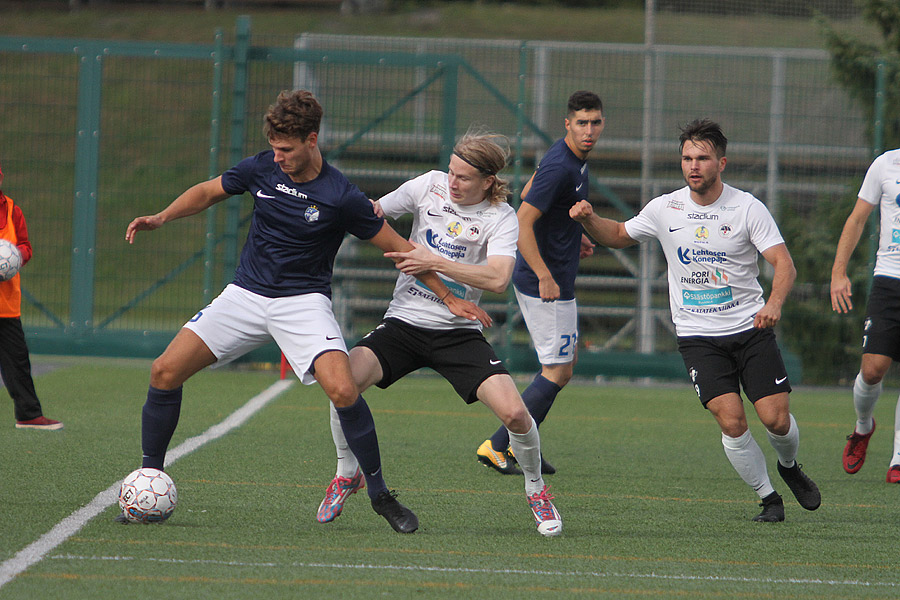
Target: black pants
point(15, 369)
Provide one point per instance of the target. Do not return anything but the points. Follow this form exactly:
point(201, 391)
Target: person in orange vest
point(15, 366)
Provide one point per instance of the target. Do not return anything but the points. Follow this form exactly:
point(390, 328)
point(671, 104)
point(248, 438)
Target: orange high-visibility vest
point(10, 291)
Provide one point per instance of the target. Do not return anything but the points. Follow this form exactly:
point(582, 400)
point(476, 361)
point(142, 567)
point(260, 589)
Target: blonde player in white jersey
point(881, 329)
point(465, 231)
point(711, 235)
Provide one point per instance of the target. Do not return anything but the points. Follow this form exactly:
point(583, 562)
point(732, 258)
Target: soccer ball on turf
point(10, 260)
point(147, 496)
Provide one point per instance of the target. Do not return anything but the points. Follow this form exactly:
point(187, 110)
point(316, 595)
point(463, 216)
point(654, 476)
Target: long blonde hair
point(488, 153)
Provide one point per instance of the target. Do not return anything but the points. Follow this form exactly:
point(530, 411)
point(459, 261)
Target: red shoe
point(893, 475)
point(39, 423)
point(855, 450)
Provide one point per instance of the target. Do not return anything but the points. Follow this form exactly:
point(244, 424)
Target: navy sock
point(538, 398)
point(359, 429)
point(159, 418)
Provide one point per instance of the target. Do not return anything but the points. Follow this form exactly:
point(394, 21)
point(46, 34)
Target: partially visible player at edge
point(549, 249)
point(282, 286)
point(881, 331)
point(712, 235)
point(464, 216)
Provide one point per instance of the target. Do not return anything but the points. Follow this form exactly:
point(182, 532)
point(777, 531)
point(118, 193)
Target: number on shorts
point(568, 340)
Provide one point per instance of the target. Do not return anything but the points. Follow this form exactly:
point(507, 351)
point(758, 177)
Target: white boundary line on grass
point(66, 528)
point(464, 570)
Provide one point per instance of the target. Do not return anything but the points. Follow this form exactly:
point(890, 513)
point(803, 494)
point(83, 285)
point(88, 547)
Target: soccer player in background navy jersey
point(549, 249)
point(282, 286)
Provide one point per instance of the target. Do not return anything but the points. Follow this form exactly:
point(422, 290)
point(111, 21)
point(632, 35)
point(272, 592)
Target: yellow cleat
point(499, 461)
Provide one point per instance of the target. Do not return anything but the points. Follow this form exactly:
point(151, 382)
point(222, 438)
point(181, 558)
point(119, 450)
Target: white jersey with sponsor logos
point(712, 254)
point(881, 188)
point(463, 234)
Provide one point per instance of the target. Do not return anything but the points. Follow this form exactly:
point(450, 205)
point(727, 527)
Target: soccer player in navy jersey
point(282, 286)
point(549, 249)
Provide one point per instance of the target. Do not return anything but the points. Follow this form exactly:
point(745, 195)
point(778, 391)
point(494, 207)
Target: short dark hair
point(704, 130)
point(295, 114)
point(584, 100)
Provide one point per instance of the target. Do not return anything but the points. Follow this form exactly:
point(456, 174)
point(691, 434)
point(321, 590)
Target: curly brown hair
point(295, 114)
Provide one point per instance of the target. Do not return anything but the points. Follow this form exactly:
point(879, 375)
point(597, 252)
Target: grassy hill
point(451, 19)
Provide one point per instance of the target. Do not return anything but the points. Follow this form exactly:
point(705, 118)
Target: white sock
point(896, 459)
point(527, 448)
point(346, 461)
point(864, 398)
point(786, 445)
point(748, 460)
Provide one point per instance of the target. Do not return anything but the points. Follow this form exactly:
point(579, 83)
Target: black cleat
point(805, 490)
point(546, 468)
point(120, 518)
point(401, 518)
point(772, 509)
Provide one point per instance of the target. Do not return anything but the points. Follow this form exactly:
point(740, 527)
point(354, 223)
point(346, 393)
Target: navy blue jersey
point(296, 228)
point(560, 181)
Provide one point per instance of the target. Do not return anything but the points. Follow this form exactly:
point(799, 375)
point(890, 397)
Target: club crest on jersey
point(311, 214)
point(473, 232)
point(454, 228)
point(725, 230)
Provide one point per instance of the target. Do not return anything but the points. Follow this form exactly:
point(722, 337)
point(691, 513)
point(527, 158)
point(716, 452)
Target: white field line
point(36, 551)
point(460, 570)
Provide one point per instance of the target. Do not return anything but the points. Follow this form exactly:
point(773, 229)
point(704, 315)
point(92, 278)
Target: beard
point(702, 187)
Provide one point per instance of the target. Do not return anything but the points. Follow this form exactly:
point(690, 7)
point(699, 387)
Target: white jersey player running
point(881, 329)
point(711, 235)
point(464, 230)
point(712, 253)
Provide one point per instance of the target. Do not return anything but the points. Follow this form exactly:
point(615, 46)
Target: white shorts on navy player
point(462, 356)
point(881, 329)
point(553, 327)
point(239, 321)
point(723, 364)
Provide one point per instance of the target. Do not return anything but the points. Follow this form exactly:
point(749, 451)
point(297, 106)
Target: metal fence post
point(448, 116)
point(877, 149)
point(87, 165)
point(214, 141)
point(238, 136)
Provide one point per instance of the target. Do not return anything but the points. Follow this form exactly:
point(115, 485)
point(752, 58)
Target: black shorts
point(723, 364)
point(881, 329)
point(462, 356)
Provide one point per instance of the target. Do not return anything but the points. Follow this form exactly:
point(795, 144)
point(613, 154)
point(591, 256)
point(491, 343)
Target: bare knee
point(558, 374)
point(733, 427)
point(871, 375)
point(517, 420)
point(780, 425)
point(342, 393)
point(163, 374)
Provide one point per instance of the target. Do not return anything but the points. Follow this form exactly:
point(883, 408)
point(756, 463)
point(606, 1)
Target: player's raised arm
point(195, 199)
point(389, 240)
point(610, 233)
point(493, 276)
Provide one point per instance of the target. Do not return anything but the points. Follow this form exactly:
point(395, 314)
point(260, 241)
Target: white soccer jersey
point(712, 254)
point(463, 234)
point(881, 187)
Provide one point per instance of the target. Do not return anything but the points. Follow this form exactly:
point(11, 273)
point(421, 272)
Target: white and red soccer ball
point(147, 496)
point(10, 260)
